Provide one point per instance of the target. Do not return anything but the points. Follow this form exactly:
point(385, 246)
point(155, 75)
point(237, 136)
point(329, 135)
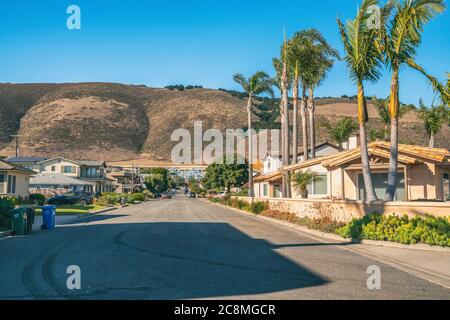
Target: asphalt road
point(190, 249)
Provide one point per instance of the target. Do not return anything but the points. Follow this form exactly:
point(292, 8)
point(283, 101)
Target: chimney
point(353, 142)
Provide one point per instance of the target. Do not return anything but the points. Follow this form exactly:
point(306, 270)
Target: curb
point(329, 236)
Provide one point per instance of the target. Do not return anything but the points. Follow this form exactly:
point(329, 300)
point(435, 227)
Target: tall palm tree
point(255, 85)
point(433, 118)
point(364, 59)
point(283, 81)
point(400, 42)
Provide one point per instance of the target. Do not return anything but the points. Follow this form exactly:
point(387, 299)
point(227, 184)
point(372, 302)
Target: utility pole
point(16, 139)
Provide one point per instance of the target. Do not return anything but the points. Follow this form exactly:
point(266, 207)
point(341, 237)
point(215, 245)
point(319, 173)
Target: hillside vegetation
point(119, 122)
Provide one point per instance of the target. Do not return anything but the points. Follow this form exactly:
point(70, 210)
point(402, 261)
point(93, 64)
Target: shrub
point(6, 204)
point(37, 198)
point(258, 207)
point(430, 230)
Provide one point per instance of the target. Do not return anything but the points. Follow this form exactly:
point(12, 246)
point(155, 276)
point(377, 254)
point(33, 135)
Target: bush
point(258, 207)
point(6, 204)
point(430, 230)
point(37, 198)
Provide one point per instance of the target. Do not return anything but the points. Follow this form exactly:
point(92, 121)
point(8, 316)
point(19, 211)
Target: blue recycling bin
point(48, 217)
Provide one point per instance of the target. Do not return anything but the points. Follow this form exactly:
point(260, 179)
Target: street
point(190, 249)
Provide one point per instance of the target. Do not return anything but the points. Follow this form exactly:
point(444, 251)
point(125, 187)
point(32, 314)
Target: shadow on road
point(152, 261)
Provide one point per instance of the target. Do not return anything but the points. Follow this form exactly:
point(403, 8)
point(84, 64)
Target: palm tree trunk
point(303, 112)
point(362, 117)
point(393, 161)
point(295, 119)
point(432, 140)
point(285, 123)
point(251, 192)
point(312, 131)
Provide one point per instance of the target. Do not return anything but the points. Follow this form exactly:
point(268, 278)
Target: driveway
point(190, 249)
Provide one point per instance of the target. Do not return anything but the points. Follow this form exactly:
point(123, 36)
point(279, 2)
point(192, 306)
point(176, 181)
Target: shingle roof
point(56, 179)
point(4, 165)
point(25, 159)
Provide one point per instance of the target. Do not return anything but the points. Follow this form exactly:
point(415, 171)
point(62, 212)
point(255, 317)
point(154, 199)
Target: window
point(2, 182)
point(11, 184)
point(446, 186)
point(265, 190)
point(68, 169)
point(91, 172)
point(379, 181)
point(277, 191)
point(319, 186)
point(53, 168)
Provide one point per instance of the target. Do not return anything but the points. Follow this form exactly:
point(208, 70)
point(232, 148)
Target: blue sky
point(197, 42)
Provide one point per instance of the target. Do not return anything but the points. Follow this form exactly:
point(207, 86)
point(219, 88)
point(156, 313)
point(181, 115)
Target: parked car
point(166, 196)
point(71, 198)
point(222, 195)
point(192, 195)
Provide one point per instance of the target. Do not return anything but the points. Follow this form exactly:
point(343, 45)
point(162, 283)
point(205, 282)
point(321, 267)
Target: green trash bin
point(19, 221)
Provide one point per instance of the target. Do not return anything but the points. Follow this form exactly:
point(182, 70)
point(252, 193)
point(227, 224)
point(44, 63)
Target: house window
point(68, 169)
point(53, 168)
point(446, 186)
point(379, 181)
point(91, 172)
point(319, 186)
point(266, 190)
point(11, 184)
point(277, 191)
point(2, 182)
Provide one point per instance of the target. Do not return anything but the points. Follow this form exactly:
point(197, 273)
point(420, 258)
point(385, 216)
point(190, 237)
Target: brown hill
point(119, 122)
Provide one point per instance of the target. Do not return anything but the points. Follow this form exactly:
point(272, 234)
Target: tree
point(156, 183)
point(317, 59)
point(257, 84)
point(399, 44)
point(364, 59)
point(224, 176)
point(383, 114)
point(433, 119)
point(301, 180)
point(341, 130)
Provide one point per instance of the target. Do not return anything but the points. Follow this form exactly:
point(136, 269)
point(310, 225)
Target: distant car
point(166, 196)
point(71, 198)
point(222, 195)
point(192, 195)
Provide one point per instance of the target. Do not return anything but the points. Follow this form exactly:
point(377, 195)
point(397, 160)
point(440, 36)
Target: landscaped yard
point(74, 210)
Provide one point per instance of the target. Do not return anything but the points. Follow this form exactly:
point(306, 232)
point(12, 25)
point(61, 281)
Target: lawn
point(74, 210)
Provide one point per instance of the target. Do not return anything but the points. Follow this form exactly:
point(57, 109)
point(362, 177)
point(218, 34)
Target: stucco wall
point(46, 167)
point(344, 211)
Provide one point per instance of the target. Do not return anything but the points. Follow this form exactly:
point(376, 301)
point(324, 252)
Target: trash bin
point(30, 219)
point(48, 217)
point(18, 221)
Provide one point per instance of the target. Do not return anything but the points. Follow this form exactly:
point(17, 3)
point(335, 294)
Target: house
point(93, 172)
point(268, 184)
point(423, 174)
point(124, 181)
point(58, 183)
point(14, 180)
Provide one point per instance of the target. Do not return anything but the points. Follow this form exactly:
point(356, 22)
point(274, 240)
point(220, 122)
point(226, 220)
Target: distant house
point(58, 183)
point(14, 180)
point(423, 174)
point(93, 172)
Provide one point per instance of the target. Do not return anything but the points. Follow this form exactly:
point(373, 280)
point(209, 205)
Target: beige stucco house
point(423, 174)
point(14, 180)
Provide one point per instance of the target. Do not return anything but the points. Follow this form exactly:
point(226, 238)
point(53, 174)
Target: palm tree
point(364, 59)
point(433, 118)
point(400, 42)
point(383, 114)
point(257, 84)
point(301, 180)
